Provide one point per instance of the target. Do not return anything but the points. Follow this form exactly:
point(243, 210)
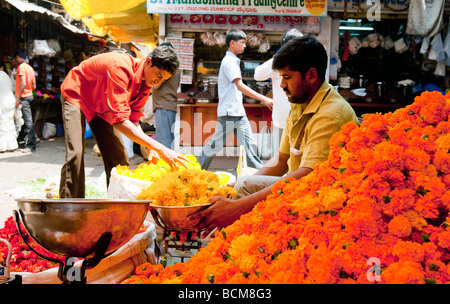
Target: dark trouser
point(27, 134)
point(109, 142)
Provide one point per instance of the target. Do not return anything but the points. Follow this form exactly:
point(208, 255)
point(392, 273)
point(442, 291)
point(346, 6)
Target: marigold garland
point(383, 194)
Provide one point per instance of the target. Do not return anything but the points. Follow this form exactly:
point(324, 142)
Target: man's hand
point(152, 156)
point(173, 158)
point(268, 103)
point(222, 213)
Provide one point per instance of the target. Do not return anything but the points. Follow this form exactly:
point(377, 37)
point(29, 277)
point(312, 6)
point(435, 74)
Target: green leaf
point(425, 237)
point(293, 243)
point(422, 191)
point(340, 170)
point(386, 199)
point(433, 267)
point(210, 278)
point(292, 212)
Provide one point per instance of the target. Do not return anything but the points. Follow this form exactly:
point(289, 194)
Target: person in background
point(109, 91)
point(231, 116)
point(165, 102)
point(317, 112)
point(430, 83)
point(8, 138)
point(25, 85)
point(281, 105)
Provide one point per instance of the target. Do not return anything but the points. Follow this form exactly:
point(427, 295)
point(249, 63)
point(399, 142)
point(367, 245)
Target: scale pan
point(71, 227)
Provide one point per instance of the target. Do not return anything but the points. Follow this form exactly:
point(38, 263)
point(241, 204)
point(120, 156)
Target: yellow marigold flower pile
point(377, 211)
point(185, 188)
point(151, 172)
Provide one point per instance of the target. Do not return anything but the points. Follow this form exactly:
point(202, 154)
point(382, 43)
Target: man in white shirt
point(281, 104)
point(231, 116)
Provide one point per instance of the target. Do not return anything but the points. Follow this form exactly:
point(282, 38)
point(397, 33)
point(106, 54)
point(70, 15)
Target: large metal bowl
point(72, 227)
point(176, 217)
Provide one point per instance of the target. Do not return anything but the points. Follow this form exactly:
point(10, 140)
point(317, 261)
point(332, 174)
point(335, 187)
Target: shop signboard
point(305, 24)
point(240, 7)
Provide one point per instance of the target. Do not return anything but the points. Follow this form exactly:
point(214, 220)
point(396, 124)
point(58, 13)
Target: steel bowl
point(251, 100)
point(176, 217)
point(72, 227)
point(203, 100)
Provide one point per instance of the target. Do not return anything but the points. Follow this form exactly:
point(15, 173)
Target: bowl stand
point(68, 273)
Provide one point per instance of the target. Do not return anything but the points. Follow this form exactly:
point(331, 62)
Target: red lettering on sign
point(176, 18)
point(220, 19)
point(208, 19)
point(235, 19)
point(195, 19)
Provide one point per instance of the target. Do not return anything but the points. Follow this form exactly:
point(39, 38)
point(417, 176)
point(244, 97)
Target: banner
point(239, 7)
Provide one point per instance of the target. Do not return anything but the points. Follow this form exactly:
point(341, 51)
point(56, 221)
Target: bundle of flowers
point(186, 188)
point(377, 211)
point(22, 258)
point(154, 171)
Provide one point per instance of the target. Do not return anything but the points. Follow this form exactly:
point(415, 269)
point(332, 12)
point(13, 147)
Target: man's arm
point(134, 132)
point(21, 89)
point(264, 71)
point(33, 83)
point(253, 94)
point(276, 166)
point(224, 211)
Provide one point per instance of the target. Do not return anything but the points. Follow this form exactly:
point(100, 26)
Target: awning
point(30, 7)
point(122, 21)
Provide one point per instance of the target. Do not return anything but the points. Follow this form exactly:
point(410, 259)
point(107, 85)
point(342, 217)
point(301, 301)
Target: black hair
point(166, 43)
point(165, 57)
point(21, 53)
point(234, 35)
point(302, 54)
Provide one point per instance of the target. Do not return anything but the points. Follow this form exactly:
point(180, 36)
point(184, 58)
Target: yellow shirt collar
point(314, 104)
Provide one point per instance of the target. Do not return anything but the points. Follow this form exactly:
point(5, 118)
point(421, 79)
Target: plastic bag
point(40, 47)
point(242, 168)
point(124, 187)
point(265, 147)
point(48, 130)
point(438, 47)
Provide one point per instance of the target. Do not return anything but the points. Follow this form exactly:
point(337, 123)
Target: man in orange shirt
point(108, 91)
point(25, 84)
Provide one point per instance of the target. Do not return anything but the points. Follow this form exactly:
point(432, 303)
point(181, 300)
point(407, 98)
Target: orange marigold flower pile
point(377, 211)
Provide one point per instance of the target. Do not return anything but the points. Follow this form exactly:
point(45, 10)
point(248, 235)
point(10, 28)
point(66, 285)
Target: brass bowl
point(176, 217)
point(72, 227)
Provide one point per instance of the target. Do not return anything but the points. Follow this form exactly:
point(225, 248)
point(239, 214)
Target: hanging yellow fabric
point(126, 24)
point(78, 9)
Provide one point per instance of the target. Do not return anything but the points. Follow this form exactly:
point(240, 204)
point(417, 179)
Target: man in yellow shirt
point(317, 112)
